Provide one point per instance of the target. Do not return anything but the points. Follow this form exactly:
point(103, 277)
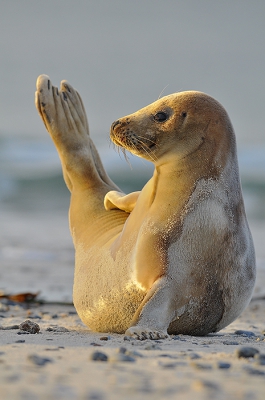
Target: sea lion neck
point(171, 182)
point(183, 172)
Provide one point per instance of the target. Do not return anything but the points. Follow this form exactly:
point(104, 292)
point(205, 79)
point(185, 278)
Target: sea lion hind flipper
point(155, 313)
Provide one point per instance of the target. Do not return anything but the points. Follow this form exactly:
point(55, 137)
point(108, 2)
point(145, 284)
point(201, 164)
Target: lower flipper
point(143, 333)
point(154, 315)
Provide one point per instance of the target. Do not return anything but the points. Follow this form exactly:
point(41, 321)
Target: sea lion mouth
point(130, 141)
point(141, 145)
point(118, 140)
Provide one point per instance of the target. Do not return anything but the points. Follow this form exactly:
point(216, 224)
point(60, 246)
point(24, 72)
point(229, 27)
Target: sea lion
point(176, 257)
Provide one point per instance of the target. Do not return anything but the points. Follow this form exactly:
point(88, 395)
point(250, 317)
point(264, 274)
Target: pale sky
point(120, 55)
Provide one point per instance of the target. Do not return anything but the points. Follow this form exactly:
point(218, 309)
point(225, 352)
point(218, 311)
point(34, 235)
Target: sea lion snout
point(114, 124)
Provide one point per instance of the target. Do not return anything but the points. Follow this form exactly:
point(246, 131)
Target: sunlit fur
point(175, 257)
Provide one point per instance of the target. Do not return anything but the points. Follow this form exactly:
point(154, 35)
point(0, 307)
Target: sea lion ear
point(120, 201)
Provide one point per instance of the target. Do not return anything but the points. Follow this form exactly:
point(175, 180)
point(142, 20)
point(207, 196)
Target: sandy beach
point(65, 360)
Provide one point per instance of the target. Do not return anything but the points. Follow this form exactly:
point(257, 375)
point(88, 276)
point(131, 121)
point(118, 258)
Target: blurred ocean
point(31, 178)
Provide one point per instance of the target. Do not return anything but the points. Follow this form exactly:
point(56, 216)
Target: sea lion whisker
point(119, 149)
point(150, 154)
point(145, 138)
point(126, 156)
point(147, 150)
point(111, 143)
point(162, 91)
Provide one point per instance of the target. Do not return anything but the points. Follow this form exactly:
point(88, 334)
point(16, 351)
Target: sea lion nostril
point(115, 123)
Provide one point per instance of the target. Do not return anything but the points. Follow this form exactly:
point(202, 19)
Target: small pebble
point(29, 326)
point(128, 338)
point(168, 365)
point(35, 316)
point(57, 329)
point(53, 349)
point(20, 341)
point(95, 344)
point(223, 365)
point(167, 355)
point(122, 357)
point(72, 312)
point(130, 353)
point(98, 356)
point(37, 360)
point(95, 396)
point(122, 350)
point(177, 337)
point(172, 365)
point(194, 356)
point(246, 352)
point(230, 343)
point(152, 347)
point(104, 338)
point(244, 333)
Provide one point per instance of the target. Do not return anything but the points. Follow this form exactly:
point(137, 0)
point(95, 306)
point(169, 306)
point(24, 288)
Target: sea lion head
point(175, 127)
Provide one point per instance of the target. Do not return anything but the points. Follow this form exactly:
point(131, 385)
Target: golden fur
point(176, 257)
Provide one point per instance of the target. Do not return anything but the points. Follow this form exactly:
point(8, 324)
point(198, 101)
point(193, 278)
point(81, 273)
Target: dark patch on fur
point(201, 318)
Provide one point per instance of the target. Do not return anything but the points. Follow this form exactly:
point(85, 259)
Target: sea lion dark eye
point(160, 116)
point(183, 114)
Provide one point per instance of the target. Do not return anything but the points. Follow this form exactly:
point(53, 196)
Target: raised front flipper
point(118, 200)
point(64, 116)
